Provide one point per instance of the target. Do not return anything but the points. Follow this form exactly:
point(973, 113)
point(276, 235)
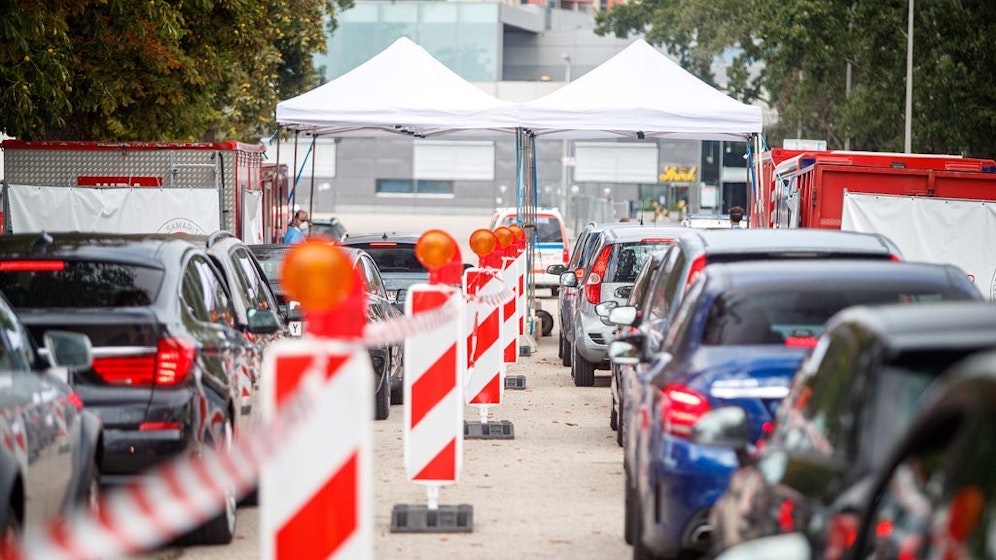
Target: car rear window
point(628, 258)
point(393, 257)
point(77, 284)
point(740, 317)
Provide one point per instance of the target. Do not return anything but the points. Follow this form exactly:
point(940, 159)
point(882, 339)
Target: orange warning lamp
point(320, 275)
point(317, 274)
point(505, 236)
point(438, 252)
point(483, 242)
point(520, 236)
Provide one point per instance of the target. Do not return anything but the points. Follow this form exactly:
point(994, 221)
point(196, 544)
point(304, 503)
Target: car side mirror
point(624, 353)
point(556, 269)
point(623, 315)
point(263, 321)
point(294, 312)
point(568, 280)
point(68, 349)
point(603, 309)
point(725, 426)
point(400, 298)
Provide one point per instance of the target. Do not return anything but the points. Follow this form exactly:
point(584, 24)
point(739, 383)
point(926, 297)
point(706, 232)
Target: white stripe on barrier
point(485, 382)
point(510, 313)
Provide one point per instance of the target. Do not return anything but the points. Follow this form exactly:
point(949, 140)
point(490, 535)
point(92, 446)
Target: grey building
point(516, 53)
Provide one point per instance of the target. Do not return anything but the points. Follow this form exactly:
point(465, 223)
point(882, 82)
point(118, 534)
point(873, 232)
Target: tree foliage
point(794, 55)
point(182, 70)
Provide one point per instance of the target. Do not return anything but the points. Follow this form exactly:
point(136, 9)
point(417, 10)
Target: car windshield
point(781, 317)
point(78, 284)
point(628, 259)
point(547, 228)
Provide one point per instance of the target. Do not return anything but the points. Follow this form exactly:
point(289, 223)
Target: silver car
point(617, 258)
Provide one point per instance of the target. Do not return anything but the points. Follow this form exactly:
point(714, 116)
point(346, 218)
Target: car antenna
point(43, 240)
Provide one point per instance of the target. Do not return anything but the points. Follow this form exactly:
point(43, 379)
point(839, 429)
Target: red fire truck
point(139, 187)
point(936, 208)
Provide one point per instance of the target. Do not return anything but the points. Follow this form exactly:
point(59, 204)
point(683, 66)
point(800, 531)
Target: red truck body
point(817, 180)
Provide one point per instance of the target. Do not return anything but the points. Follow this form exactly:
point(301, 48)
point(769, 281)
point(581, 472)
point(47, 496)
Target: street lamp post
point(909, 80)
point(565, 159)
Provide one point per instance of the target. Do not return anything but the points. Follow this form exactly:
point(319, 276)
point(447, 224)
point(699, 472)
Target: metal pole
point(909, 81)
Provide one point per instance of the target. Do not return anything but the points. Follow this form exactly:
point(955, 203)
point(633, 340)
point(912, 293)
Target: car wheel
point(640, 551)
point(620, 427)
point(613, 416)
point(546, 322)
point(221, 529)
point(583, 370)
point(398, 395)
point(565, 358)
point(560, 347)
point(382, 401)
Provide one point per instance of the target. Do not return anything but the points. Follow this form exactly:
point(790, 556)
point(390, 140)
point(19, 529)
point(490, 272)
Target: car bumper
point(684, 480)
point(592, 340)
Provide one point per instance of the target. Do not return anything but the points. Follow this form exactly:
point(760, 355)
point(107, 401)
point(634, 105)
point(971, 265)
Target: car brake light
point(383, 244)
point(593, 285)
point(567, 255)
point(32, 266)
point(697, 265)
point(657, 241)
point(175, 356)
point(895, 258)
point(842, 531)
point(158, 426)
point(126, 370)
point(800, 341)
point(786, 516)
point(680, 408)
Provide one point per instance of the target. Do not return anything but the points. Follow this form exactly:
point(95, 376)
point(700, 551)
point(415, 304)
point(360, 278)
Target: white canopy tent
point(640, 90)
point(401, 90)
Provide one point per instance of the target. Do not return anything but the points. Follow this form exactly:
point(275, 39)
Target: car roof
point(137, 249)
point(774, 273)
point(624, 234)
point(784, 240)
point(902, 327)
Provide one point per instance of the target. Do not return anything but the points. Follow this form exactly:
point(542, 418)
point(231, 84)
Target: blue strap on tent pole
point(297, 177)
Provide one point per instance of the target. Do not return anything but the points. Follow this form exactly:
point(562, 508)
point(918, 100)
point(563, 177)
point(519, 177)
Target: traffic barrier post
point(435, 364)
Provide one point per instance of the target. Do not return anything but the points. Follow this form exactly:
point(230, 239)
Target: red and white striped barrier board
point(485, 383)
point(316, 496)
point(520, 271)
point(435, 363)
point(511, 312)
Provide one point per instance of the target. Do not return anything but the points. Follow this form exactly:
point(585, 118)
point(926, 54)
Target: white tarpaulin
point(640, 90)
point(937, 230)
point(403, 89)
point(119, 210)
point(252, 217)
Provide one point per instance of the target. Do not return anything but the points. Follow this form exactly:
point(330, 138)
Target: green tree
point(158, 69)
point(794, 57)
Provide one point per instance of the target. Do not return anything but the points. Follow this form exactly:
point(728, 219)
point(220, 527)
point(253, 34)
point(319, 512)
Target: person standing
point(736, 214)
point(297, 227)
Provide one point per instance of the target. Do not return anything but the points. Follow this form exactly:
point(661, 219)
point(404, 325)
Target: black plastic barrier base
point(488, 430)
point(525, 351)
point(515, 382)
point(409, 518)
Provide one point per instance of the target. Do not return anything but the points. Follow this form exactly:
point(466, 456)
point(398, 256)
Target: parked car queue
point(678, 421)
point(152, 348)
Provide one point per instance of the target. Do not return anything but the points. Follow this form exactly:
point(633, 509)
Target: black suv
point(394, 254)
point(166, 343)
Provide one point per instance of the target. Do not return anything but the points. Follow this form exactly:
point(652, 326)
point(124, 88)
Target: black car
point(851, 398)
point(388, 362)
point(935, 495)
point(167, 347)
point(48, 444)
point(394, 254)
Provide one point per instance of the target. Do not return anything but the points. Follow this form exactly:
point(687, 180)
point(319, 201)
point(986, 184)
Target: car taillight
point(168, 366)
point(680, 408)
point(786, 516)
point(567, 255)
point(32, 266)
point(895, 258)
point(801, 341)
point(75, 400)
point(842, 531)
point(697, 265)
point(175, 356)
point(593, 285)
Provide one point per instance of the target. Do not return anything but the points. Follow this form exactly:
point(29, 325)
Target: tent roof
point(640, 90)
point(403, 89)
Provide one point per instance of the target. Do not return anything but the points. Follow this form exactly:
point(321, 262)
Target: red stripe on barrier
point(476, 281)
point(489, 394)
point(427, 301)
point(290, 369)
point(510, 308)
point(312, 533)
point(434, 384)
point(442, 466)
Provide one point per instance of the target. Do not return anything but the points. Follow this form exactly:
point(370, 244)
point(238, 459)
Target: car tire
point(629, 515)
point(90, 500)
point(221, 529)
point(397, 395)
point(640, 550)
point(382, 401)
point(565, 357)
point(546, 322)
point(613, 416)
point(620, 427)
point(10, 536)
point(583, 370)
point(560, 346)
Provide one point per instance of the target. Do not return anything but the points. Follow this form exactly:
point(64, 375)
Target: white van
point(551, 242)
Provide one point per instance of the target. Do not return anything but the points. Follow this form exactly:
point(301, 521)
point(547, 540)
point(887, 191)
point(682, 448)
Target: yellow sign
point(675, 174)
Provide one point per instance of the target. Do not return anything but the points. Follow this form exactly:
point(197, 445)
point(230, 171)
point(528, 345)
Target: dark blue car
point(739, 335)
